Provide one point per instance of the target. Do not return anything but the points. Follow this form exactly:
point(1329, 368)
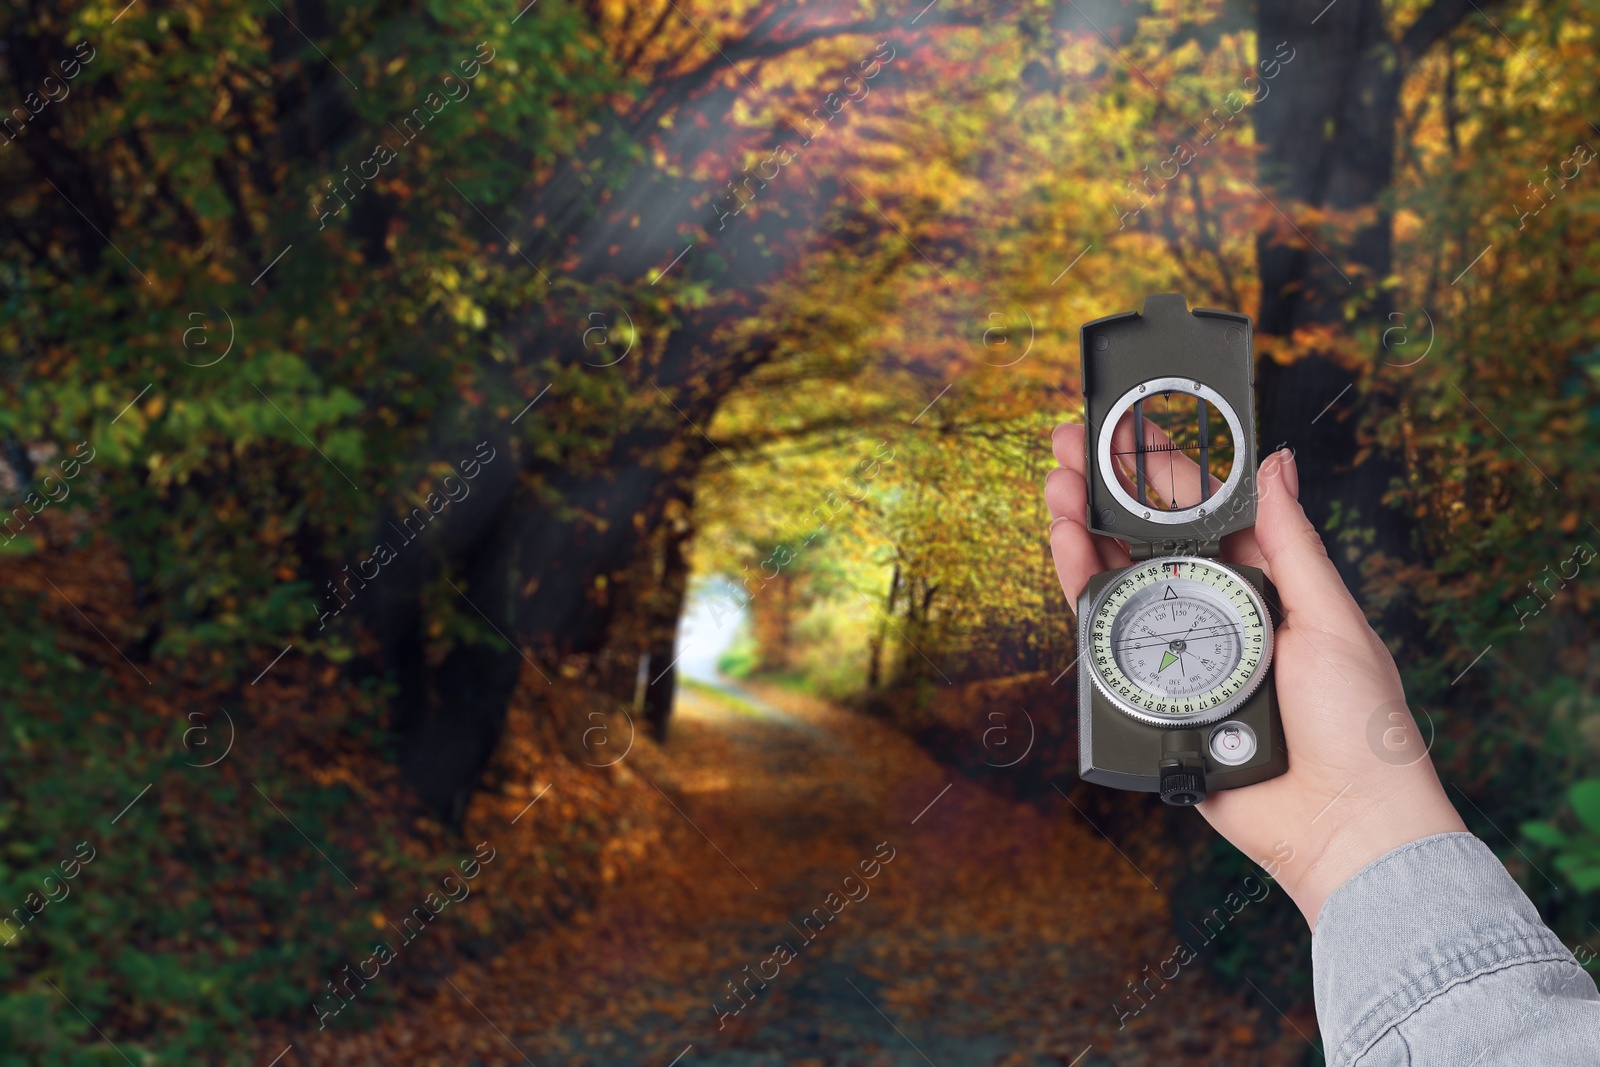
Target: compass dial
point(1178, 641)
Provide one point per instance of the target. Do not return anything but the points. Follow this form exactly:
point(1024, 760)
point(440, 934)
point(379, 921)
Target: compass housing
point(1233, 735)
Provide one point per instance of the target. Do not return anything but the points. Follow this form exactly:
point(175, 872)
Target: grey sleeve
point(1432, 956)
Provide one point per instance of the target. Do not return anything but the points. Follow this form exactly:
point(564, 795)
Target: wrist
point(1368, 831)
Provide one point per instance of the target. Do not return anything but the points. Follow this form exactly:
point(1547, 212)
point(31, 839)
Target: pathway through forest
point(993, 934)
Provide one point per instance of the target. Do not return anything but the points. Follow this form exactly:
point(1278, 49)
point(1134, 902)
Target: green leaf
point(1585, 879)
point(1542, 833)
point(1585, 798)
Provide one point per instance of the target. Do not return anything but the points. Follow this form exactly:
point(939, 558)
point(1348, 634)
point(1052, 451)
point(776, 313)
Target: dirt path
point(994, 935)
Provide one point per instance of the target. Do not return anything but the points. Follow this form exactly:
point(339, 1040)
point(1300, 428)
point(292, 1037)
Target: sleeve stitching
point(1532, 955)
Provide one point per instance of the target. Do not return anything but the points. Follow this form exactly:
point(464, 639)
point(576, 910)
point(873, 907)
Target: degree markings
point(1246, 631)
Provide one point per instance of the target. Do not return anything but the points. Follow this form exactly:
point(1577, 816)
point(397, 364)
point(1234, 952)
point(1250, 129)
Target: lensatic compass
point(1177, 648)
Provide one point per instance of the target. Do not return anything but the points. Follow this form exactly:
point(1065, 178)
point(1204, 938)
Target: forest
point(515, 510)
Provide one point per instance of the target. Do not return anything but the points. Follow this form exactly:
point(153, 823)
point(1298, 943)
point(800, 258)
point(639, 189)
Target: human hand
point(1341, 805)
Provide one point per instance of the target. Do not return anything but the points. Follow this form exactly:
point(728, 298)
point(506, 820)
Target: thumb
point(1296, 557)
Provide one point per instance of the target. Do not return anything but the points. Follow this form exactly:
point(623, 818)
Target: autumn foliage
point(764, 305)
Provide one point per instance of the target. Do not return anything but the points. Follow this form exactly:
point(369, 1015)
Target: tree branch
point(1432, 25)
point(756, 49)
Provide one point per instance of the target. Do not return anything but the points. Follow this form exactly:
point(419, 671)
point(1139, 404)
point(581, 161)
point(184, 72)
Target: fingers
point(1077, 553)
point(1079, 556)
point(1073, 549)
point(1295, 556)
point(1283, 543)
point(1066, 440)
point(1243, 547)
point(1170, 475)
point(1066, 494)
point(1113, 553)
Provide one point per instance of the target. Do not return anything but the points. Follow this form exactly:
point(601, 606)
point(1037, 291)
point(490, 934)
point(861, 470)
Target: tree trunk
point(1327, 137)
point(532, 575)
point(1327, 140)
point(875, 650)
point(664, 606)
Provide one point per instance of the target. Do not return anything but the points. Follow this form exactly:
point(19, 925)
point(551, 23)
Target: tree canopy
point(507, 329)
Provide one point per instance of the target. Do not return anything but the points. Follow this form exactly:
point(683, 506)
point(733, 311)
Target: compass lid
point(1169, 402)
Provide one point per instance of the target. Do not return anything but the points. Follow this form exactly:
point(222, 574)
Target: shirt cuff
point(1410, 925)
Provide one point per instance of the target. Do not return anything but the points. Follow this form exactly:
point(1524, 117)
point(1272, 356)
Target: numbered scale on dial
point(1179, 641)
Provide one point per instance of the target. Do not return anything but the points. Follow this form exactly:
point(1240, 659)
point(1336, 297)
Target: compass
point(1184, 641)
point(1176, 650)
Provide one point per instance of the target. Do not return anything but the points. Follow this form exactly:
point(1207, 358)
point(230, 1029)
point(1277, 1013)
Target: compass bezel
point(1207, 716)
point(1143, 509)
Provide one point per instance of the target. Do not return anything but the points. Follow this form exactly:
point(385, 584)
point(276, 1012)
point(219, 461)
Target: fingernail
point(1057, 521)
point(1290, 473)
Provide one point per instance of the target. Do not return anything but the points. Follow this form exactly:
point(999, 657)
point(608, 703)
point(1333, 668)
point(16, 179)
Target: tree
point(1328, 152)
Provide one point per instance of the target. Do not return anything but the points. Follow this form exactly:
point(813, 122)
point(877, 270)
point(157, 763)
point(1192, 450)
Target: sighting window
point(1163, 443)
